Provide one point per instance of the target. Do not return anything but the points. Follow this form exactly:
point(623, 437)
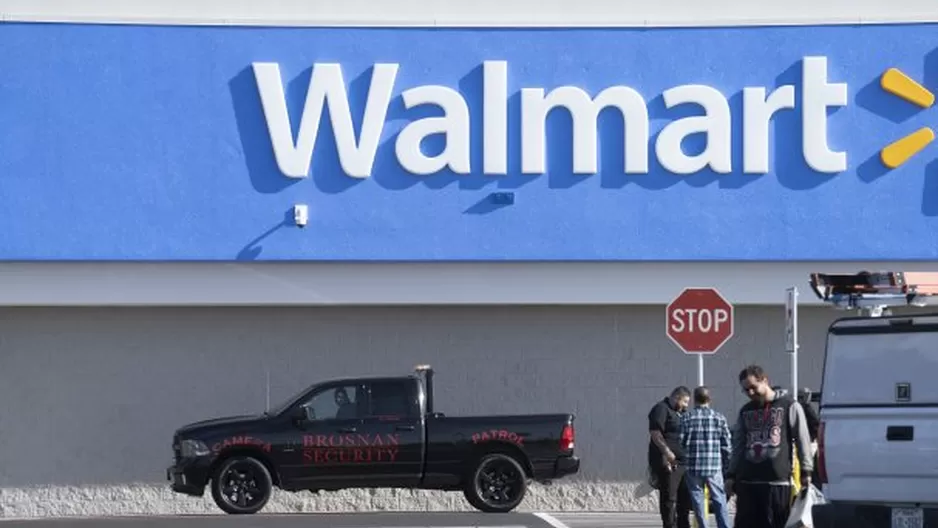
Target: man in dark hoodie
point(760, 470)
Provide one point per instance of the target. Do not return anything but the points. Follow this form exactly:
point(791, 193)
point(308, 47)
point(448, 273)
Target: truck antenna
point(875, 292)
point(267, 405)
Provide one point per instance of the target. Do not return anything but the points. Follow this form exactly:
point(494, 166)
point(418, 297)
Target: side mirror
point(299, 415)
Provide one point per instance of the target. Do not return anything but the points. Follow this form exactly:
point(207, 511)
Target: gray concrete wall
point(91, 396)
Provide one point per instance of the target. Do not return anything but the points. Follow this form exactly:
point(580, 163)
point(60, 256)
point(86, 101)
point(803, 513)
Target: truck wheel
point(497, 484)
point(241, 485)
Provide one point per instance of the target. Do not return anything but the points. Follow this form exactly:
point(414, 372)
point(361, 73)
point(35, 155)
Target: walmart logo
point(902, 86)
point(357, 151)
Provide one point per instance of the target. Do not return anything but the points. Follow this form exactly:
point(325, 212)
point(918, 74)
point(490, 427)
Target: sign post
point(791, 333)
point(699, 321)
point(700, 370)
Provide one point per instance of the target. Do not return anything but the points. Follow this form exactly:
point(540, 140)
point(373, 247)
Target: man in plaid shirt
point(705, 437)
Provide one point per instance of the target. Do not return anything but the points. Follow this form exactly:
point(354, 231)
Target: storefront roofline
point(476, 13)
point(330, 284)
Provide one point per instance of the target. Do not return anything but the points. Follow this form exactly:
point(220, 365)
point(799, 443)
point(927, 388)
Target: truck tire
point(241, 485)
point(496, 484)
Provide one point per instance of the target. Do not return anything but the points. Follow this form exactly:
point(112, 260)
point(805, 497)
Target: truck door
point(879, 410)
point(326, 438)
point(392, 446)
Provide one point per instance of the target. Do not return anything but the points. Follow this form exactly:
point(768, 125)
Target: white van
point(878, 438)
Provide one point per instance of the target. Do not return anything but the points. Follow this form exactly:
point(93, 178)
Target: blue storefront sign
point(195, 143)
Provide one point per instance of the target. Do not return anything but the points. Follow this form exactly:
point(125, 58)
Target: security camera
point(300, 215)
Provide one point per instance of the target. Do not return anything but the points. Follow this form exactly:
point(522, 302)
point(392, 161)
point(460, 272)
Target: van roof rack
point(876, 291)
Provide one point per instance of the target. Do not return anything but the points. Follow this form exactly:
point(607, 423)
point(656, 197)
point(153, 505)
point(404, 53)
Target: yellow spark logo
point(902, 86)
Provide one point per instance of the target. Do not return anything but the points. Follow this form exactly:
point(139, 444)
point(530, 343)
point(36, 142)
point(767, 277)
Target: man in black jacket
point(761, 467)
point(810, 414)
point(666, 458)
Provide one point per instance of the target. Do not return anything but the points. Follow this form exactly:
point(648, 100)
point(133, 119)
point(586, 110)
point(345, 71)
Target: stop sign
point(699, 320)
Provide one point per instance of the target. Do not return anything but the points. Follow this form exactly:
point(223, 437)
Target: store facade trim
point(324, 284)
point(428, 13)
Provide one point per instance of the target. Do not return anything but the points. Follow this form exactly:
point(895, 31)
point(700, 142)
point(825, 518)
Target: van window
point(879, 362)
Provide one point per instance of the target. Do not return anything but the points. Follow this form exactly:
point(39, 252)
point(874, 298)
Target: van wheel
point(497, 484)
point(241, 485)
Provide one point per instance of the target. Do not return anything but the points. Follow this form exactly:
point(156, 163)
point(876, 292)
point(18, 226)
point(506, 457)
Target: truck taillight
point(567, 437)
point(821, 470)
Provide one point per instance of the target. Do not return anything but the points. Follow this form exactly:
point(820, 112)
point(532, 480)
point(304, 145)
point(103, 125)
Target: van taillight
point(821, 469)
point(567, 437)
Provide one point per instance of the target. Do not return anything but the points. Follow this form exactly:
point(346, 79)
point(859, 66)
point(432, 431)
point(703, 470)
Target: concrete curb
point(157, 499)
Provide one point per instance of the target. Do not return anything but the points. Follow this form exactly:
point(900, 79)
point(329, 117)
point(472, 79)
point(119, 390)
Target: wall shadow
point(387, 173)
point(737, 179)
point(515, 179)
point(930, 75)
point(872, 169)
point(930, 189)
point(610, 144)
point(326, 169)
point(491, 202)
point(791, 169)
point(253, 249)
point(472, 86)
point(255, 140)
point(558, 128)
point(874, 99)
point(657, 178)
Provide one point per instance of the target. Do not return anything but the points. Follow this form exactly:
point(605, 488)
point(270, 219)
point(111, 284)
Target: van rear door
point(879, 406)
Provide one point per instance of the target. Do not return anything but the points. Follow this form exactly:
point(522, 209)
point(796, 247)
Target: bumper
point(837, 514)
point(566, 466)
point(189, 479)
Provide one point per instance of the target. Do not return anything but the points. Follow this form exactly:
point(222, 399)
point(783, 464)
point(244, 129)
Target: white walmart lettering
point(357, 155)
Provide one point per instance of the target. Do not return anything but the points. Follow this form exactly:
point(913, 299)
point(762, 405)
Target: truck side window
point(334, 403)
point(392, 399)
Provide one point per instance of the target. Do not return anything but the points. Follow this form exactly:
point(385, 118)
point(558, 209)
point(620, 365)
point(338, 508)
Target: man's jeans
point(695, 484)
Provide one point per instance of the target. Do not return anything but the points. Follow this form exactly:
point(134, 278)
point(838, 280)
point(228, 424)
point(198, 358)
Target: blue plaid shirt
point(705, 437)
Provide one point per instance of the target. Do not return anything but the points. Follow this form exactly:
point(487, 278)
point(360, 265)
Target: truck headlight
point(193, 448)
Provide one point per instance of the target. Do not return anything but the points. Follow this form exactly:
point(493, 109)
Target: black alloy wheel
point(241, 485)
point(498, 484)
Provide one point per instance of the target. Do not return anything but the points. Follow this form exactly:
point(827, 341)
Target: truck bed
point(532, 437)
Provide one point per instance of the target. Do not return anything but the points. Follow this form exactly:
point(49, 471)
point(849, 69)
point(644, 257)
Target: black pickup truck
point(377, 432)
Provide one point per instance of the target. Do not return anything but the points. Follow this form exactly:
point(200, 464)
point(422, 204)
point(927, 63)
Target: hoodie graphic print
point(763, 440)
point(764, 433)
